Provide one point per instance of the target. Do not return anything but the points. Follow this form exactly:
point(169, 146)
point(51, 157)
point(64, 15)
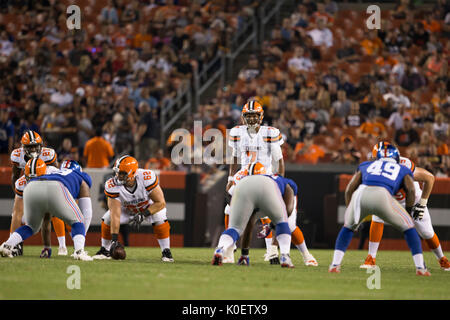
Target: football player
point(260, 192)
point(371, 191)
point(253, 142)
point(53, 194)
point(296, 234)
point(422, 220)
point(32, 147)
point(134, 195)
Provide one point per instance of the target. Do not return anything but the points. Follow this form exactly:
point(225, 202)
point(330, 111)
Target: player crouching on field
point(134, 195)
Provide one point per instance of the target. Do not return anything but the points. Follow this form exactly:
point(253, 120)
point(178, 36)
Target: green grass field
point(143, 276)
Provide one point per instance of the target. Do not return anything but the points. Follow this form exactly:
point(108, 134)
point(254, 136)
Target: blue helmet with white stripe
point(388, 151)
point(71, 164)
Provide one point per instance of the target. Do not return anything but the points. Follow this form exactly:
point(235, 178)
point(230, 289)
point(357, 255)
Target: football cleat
point(218, 257)
point(309, 260)
point(167, 255)
point(272, 253)
point(422, 272)
point(286, 261)
point(82, 255)
point(6, 250)
point(368, 263)
point(18, 250)
point(46, 253)
point(62, 251)
point(274, 260)
point(335, 268)
point(228, 254)
point(102, 254)
point(445, 265)
point(244, 261)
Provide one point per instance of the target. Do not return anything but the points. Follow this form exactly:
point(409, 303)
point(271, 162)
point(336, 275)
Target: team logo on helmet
point(388, 151)
point(378, 146)
point(32, 144)
point(252, 114)
point(125, 169)
point(34, 168)
point(71, 164)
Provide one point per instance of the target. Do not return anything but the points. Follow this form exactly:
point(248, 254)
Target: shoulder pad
point(111, 190)
point(150, 179)
point(48, 155)
point(16, 156)
point(20, 185)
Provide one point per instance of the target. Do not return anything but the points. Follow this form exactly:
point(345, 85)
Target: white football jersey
point(401, 196)
point(255, 147)
point(48, 155)
point(138, 200)
point(21, 183)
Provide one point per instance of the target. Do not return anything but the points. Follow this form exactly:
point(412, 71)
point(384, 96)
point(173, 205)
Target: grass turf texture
point(192, 277)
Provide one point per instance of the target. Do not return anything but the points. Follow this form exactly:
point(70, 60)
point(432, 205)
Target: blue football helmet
point(388, 151)
point(71, 164)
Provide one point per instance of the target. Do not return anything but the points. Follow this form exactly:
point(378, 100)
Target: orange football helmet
point(125, 169)
point(378, 146)
point(255, 168)
point(34, 168)
point(251, 108)
point(32, 144)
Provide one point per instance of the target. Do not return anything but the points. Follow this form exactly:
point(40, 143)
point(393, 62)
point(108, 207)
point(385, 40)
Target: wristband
point(146, 213)
point(114, 237)
point(423, 201)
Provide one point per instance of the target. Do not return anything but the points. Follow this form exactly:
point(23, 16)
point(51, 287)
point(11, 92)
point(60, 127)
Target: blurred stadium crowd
point(332, 87)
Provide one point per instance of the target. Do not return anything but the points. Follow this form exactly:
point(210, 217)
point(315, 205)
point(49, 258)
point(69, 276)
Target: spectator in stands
point(396, 119)
point(372, 127)
point(434, 64)
point(252, 70)
point(347, 153)
point(354, 119)
point(184, 67)
point(398, 98)
point(97, 151)
point(7, 132)
point(412, 79)
point(158, 162)
point(425, 116)
point(62, 97)
point(109, 14)
point(321, 36)
point(65, 152)
point(347, 52)
point(307, 151)
point(407, 135)
point(146, 137)
point(299, 62)
point(440, 126)
point(342, 106)
point(372, 45)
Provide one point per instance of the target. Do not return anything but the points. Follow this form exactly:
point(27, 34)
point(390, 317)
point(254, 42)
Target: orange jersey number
point(147, 175)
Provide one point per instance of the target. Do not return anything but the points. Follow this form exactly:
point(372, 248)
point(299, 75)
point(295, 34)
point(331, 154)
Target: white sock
point(373, 248)
point(337, 257)
point(164, 243)
point(268, 243)
point(78, 242)
point(62, 242)
point(106, 244)
point(284, 242)
point(438, 252)
point(418, 260)
point(303, 249)
point(14, 239)
point(225, 241)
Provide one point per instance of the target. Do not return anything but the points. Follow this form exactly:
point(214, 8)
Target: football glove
point(264, 232)
point(115, 244)
point(418, 211)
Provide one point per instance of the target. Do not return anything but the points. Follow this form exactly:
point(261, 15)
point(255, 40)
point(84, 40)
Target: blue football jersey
point(384, 173)
point(282, 182)
point(72, 179)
